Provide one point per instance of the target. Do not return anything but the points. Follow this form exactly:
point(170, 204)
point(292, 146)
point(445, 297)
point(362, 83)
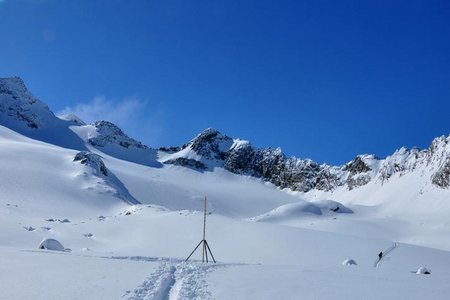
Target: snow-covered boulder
point(51, 244)
point(423, 270)
point(349, 262)
point(93, 161)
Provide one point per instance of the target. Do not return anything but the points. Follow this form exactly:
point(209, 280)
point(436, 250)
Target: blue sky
point(321, 79)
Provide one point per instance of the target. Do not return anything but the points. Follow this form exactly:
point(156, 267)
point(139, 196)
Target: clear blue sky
point(321, 79)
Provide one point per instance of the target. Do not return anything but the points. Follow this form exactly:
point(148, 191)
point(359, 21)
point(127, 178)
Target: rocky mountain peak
point(18, 105)
point(211, 144)
point(12, 84)
point(356, 166)
point(439, 148)
point(109, 133)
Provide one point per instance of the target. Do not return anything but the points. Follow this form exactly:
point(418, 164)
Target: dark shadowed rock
point(186, 162)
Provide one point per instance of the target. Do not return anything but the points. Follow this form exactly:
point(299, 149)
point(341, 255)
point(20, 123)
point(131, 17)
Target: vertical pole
point(204, 253)
point(204, 219)
point(203, 242)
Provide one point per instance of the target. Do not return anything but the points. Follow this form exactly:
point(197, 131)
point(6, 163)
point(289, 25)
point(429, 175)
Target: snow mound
point(423, 270)
point(51, 244)
point(302, 209)
point(349, 262)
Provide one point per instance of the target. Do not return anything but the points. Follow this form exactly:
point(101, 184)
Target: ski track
point(175, 281)
point(385, 253)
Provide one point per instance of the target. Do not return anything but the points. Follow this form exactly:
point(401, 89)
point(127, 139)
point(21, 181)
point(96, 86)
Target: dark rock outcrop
point(109, 133)
point(92, 160)
point(186, 162)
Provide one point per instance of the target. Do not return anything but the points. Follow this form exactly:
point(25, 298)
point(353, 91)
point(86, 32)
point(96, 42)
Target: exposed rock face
point(354, 182)
point(170, 149)
point(357, 166)
point(108, 133)
point(442, 177)
point(211, 144)
point(17, 103)
point(186, 162)
point(92, 160)
point(241, 159)
point(439, 158)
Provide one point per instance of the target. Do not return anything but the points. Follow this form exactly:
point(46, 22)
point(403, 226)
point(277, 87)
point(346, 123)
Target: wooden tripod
point(203, 242)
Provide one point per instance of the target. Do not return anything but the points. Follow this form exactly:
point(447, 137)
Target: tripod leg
point(206, 252)
point(193, 251)
point(203, 251)
point(210, 251)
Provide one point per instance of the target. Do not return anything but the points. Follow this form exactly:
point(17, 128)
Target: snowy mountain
point(105, 137)
point(22, 112)
point(212, 149)
point(126, 216)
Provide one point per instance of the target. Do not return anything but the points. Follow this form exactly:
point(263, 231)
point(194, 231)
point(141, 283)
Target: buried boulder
point(349, 262)
point(423, 270)
point(51, 244)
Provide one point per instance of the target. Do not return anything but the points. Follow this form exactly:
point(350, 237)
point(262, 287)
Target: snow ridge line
point(174, 281)
point(385, 253)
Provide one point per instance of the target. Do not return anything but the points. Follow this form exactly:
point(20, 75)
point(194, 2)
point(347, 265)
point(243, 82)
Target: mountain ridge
point(22, 112)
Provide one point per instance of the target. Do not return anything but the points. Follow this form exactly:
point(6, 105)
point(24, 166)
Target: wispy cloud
point(132, 115)
point(101, 108)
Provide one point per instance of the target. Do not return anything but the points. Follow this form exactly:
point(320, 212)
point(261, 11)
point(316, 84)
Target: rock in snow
point(108, 182)
point(423, 270)
point(92, 160)
point(349, 262)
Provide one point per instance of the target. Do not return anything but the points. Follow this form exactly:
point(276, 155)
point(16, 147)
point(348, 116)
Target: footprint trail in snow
point(175, 281)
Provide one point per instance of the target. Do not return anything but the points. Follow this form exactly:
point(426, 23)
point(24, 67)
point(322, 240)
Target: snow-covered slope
point(46, 180)
point(128, 215)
